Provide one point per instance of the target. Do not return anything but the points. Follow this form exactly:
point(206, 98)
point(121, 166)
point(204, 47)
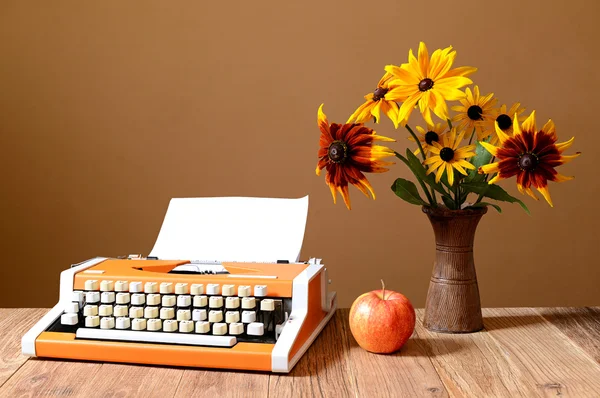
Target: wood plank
point(473, 365)
point(324, 370)
point(581, 325)
point(535, 347)
point(15, 323)
point(406, 373)
point(222, 383)
point(125, 380)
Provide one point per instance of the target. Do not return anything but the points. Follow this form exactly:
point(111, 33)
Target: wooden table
point(523, 352)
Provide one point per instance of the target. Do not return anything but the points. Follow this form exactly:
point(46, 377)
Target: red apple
point(381, 321)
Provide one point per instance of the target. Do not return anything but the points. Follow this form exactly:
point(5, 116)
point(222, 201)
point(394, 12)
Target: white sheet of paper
point(232, 229)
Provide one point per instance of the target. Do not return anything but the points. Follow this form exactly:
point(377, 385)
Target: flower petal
point(529, 123)
point(423, 59)
point(546, 194)
point(450, 174)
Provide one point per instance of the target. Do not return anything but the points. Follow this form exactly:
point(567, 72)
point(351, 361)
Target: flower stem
point(432, 202)
point(472, 134)
point(424, 157)
point(449, 124)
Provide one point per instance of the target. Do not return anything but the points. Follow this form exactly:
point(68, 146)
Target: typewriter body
point(236, 314)
point(246, 316)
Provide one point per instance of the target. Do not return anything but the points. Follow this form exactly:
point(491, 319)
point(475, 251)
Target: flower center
point(447, 154)
point(379, 93)
point(431, 136)
point(474, 112)
point(504, 122)
point(337, 151)
point(528, 161)
point(425, 84)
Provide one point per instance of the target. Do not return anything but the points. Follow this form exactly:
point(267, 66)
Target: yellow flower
point(447, 156)
point(429, 136)
point(529, 154)
point(504, 120)
point(346, 152)
point(376, 103)
point(428, 83)
point(474, 112)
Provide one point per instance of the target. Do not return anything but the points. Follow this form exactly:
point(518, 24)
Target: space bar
point(156, 337)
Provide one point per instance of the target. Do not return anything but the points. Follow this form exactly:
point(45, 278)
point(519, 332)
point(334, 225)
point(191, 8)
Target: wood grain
point(222, 383)
point(15, 323)
point(582, 325)
point(324, 370)
point(473, 365)
point(407, 373)
point(453, 304)
point(538, 349)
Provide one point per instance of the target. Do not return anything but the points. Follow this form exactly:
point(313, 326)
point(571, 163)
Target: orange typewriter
point(250, 315)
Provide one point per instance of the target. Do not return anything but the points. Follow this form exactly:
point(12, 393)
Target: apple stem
point(383, 286)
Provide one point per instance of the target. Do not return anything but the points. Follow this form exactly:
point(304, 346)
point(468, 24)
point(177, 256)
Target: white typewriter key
point(215, 302)
point(90, 310)
point(228, 290)
point(202, 327)
point(236, 328)
point(92, 321)
point(123, 323)
point(105, 310)
point(107, 286)
point(107, 297)
point(232, 302)
point(123, 298)
point(138, 299)
point(267, 305)
point(69, 319)
point(256, 329)
point(249, 303)
point(212, 288)
point(181, 288)
point(184, 301)
point(72, 307)
point(91, 284)
point(260, 290)
point(167, 313)
point(184, 315)
point(199, 315)
point(136, 312)
point(151, 312)
point(197, 289)
point(200, 301)
point(248, 316)
point(166, 288)
point(244, 291)
point(92, 297)
point(150, 287)
point(215, 316)
point(78, 297)
point(107, 323)
point(121, 286)
point(153, 299)
point(170, 326)
point(135, 287)
point(138, 324)
point(121, 310)
point(186, 326)
point(219, 329)
point(154, 324)
point(169, 301)
point(232, 317)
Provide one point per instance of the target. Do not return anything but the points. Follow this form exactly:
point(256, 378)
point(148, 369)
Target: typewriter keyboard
point(178, 313)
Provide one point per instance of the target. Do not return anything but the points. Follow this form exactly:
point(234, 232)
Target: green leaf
point(420, 172)
point(407, 190)
point(482, 157)
point(493, 191)
point(449, 202)
point(484, 204)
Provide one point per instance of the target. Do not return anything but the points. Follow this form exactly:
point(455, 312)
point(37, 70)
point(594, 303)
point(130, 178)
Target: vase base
point(448, 331)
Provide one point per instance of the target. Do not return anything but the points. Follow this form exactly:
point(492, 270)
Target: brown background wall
point(109, 109)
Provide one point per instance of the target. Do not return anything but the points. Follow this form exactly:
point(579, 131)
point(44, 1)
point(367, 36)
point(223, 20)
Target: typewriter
point(259, 316)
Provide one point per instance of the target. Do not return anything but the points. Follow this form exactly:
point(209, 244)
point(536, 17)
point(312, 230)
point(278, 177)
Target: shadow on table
point(509, 322)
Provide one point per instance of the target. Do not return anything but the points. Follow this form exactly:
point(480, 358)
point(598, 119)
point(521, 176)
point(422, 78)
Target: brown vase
point(453, 304)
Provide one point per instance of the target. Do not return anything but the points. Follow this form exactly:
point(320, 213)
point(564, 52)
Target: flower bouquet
point(457, 163)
